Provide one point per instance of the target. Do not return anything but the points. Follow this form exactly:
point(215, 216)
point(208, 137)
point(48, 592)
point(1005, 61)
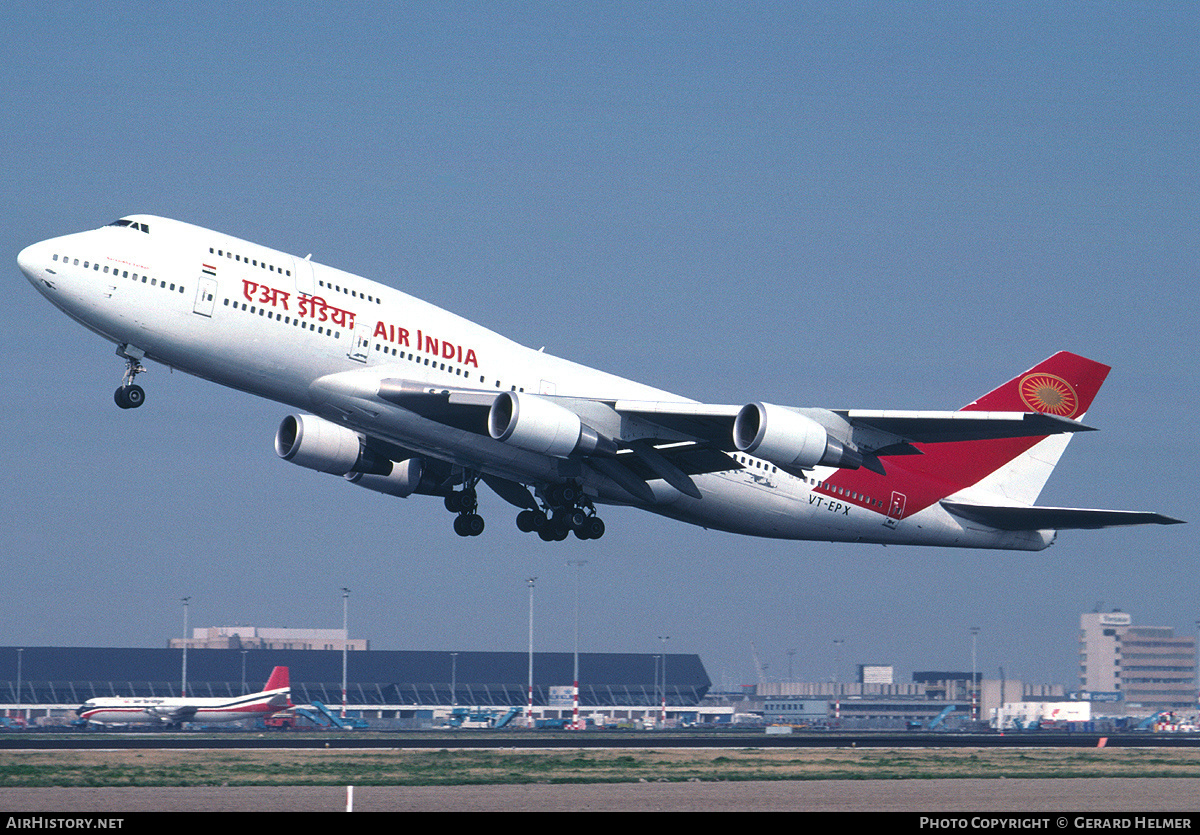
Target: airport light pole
point(20, 654)
point(185, 601)
point(656, 695)
point(837, 662)
point(575, 681)
point(529, 704)
point(974, 690)
point(345, 643)
point(665, 638)
point(454, 679)
point(244, 672)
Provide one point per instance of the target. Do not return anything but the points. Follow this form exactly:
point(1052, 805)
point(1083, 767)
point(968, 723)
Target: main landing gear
point(130, 396)
point(464, 502)
point(566, 510)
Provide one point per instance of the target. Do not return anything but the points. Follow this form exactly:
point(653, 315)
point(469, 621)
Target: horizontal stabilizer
point(1009, 518)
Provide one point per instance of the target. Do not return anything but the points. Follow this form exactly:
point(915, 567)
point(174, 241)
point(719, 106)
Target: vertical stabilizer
point(1063, 385)
point(278, 680)
point(1008, 471)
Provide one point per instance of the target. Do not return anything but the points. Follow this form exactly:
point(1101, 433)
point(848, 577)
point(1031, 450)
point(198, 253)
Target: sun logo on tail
point(1050, 394)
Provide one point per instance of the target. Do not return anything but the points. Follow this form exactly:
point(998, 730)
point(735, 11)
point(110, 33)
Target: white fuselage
point(320, 340)
point(156, 711)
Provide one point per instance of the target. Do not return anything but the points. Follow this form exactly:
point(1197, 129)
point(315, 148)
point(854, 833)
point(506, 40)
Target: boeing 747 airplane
point(402, 397)
point(149, 710)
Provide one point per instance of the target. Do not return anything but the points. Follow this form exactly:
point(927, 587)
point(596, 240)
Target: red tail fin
point(278, 679)
point(1064, 385)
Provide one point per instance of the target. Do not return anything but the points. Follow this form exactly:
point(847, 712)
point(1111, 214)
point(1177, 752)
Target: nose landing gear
point(129, 395)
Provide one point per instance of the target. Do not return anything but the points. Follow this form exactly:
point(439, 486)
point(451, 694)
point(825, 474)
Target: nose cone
point(28, 261)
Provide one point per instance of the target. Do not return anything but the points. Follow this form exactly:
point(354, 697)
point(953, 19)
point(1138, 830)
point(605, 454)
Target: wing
point(675, 439)
point(797, 440)
point(173, 713)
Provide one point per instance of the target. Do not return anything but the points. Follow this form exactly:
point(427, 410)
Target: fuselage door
point(303, 272)
point(361, 344)
point(206, 295)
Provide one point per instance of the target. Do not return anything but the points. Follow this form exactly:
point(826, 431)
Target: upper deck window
point(141, 227)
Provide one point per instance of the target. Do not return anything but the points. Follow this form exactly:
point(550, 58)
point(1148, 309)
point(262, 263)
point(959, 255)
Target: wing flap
point(1009, 518)
point(681, 420)
point(465, 409)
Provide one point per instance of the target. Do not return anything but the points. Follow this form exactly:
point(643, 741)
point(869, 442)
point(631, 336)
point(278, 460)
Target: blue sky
point(878, 205)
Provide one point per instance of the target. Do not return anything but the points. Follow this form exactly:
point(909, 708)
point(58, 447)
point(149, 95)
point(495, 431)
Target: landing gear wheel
point(468, 524)
point(134, 396)
point(474, 524)
point(462, 501)
point(129, 397)
point(593, 527)
point(527, 521)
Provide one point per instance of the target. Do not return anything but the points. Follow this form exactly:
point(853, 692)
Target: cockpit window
point(141, 227)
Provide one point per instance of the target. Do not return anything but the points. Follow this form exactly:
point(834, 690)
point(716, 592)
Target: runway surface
point(1063, 797)
point(585, 740)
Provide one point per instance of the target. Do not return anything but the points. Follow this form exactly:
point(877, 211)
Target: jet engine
point(402, 481)
point(789, 439)
point(318, 444)
point(538, 425)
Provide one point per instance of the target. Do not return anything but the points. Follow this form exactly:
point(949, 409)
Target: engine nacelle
point(402, 481)
point(318, 444)
point(789, 439)
point(538, 425)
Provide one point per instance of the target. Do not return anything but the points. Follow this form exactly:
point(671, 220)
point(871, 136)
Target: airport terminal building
point(394, 687)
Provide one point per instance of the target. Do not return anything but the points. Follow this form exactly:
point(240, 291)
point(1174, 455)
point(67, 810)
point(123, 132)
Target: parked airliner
point(150, 710)
point(402, 397)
